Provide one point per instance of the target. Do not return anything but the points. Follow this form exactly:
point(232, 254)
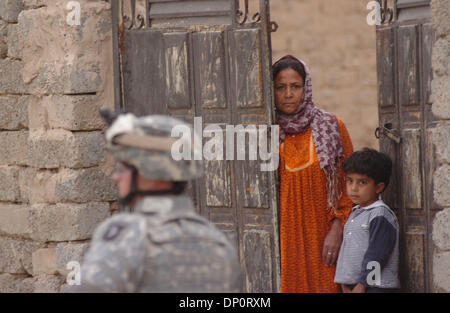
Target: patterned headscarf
point(325, 133)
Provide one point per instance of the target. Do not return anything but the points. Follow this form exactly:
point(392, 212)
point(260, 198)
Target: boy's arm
point(382, 239)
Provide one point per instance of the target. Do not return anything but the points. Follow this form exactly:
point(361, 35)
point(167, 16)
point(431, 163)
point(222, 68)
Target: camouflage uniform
point(164, 246)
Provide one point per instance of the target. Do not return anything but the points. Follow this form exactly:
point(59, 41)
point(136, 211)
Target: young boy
point(368, 258)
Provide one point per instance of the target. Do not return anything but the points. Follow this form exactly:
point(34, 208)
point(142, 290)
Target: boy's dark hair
point(374, 164)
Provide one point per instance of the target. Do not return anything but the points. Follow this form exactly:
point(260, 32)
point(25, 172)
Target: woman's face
point(288, 87)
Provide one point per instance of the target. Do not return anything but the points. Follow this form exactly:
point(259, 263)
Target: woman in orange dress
point(313, 203)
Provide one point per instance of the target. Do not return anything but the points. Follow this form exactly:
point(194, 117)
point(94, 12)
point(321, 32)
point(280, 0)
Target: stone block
point(16, 284)
point(66, 221)
point(44, 261)
point(440, 94)
point(13, 147)
point(70, 112)
point(441, 229)
point(441, 274)
point(10, 9)
point(67, 252)
point(74, 112)
point(440, 57)
point(3, 50)
point(441, 138)
point(441, 182)
point(16, 255)
point(61, 148)
point(14, 220)
point(14, 49)
point(11, 79)
point(14, 112)
point(3, 39)
point(9, 186)
point(37, 114)
point(26, 176)
point(64, 59)
point(34, 4)
point(48, 284)
point(440, 17)
point(3, 30)
point(38, 186)
point(84, 185)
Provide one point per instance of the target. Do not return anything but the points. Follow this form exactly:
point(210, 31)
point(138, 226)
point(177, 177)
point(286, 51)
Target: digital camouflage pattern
point(163, 247)
point(154, 163)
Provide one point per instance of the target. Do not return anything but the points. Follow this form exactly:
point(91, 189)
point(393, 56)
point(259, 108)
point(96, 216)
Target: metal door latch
point(386, 130)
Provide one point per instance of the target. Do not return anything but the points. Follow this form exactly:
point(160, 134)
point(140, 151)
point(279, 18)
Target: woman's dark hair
point(289, 63)
point(370, 162)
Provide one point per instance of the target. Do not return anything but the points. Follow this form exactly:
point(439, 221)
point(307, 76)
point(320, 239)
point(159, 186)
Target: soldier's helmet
point(147, 144)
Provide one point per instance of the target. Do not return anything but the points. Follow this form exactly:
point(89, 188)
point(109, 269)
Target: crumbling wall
point(54, 173)
point(440, 88)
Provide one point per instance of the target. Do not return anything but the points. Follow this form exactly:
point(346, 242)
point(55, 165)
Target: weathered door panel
point(200, 59)
point(404, 87)
point(143, 72)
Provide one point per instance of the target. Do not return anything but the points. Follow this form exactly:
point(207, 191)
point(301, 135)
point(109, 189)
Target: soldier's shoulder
point(119, 226)
point(185, 225)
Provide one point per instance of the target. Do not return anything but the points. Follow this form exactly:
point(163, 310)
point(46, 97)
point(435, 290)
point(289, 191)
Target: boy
point(368, 257)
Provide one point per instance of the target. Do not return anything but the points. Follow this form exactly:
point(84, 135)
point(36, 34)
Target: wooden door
point(209, 59)
point(406, 123)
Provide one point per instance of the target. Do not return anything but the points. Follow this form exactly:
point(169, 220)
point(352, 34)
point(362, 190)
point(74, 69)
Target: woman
point(313, 206)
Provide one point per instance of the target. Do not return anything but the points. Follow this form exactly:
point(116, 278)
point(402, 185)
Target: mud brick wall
point(54, 173)
point(440, 87)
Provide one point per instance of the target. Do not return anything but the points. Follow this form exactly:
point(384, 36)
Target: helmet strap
point(177, 189)
point(133, 188)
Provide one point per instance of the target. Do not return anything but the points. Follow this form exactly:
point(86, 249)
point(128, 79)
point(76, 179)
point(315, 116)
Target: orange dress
point(304, 217)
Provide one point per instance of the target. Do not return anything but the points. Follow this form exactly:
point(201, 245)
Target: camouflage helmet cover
point(147, 144)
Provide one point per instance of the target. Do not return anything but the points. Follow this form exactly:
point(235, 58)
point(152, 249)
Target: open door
point(209, 59)
point(404, 43)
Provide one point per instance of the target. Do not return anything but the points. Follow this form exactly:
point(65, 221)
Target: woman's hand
point(332, 243)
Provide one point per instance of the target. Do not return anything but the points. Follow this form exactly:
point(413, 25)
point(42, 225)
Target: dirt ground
point(337, 44)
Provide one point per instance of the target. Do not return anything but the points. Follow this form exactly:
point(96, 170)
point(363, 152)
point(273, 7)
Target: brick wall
point(54, 173)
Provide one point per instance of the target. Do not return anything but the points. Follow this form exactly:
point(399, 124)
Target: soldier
point(164, 245)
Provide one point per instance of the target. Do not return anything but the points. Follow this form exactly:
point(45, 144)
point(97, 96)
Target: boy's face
point(362, 190)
